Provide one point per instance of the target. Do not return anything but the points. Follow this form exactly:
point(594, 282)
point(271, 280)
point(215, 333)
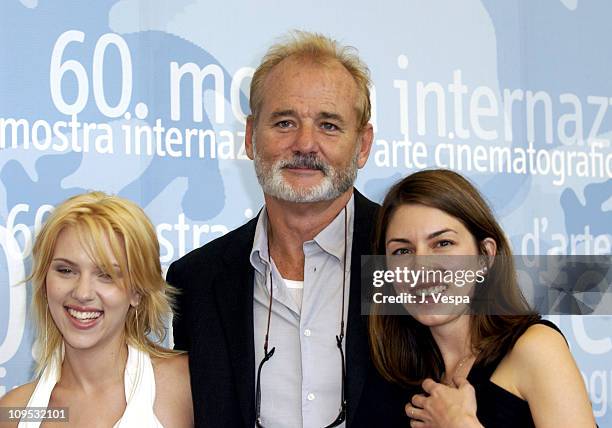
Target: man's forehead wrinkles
point(298, 107)
point(309, 91)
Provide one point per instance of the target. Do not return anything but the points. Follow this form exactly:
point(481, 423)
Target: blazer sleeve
point(180, 321)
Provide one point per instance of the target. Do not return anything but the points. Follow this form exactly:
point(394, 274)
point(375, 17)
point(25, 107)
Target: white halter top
point(139, 382)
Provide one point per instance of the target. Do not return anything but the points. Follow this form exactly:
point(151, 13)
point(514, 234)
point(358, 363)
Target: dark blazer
point(214, 323)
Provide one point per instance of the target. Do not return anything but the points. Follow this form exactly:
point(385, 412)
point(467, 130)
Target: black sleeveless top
point(498, 408)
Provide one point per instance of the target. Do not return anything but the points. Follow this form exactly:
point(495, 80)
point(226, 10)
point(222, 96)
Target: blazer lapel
point(357, 347)
point(234, 294)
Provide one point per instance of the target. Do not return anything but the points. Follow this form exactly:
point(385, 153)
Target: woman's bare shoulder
point(530, 354)
point(17, 397)
point(548, 378)
point(541, 360)
point(174, 367)
point(536, 346)
point(173, 405)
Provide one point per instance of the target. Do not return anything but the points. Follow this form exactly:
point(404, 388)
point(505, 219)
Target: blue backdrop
point(147, 99)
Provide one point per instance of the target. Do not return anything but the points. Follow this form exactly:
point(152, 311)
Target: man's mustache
point(310, 161)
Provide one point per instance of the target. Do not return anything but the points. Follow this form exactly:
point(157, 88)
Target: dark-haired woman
point(483, 369)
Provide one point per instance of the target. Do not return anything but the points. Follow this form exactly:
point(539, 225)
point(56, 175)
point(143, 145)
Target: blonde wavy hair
point(320, 48)
point(97, 218)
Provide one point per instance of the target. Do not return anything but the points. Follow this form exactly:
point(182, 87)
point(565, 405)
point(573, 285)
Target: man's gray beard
point(334, 182)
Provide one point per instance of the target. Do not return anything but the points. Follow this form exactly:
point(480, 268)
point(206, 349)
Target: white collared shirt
point(301, 384)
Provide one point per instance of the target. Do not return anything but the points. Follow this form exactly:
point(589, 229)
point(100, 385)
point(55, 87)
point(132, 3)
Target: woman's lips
point(83, 318)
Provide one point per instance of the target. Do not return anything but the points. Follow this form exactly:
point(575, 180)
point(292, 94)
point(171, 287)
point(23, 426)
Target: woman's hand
point(444, 406)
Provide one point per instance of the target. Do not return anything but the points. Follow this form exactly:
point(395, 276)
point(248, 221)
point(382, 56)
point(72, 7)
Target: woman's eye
point(444, 243)
point(64, 270)
point(105, 277)
point(402, 251)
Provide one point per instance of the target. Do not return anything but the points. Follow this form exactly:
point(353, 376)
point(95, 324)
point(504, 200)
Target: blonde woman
point(98, 294)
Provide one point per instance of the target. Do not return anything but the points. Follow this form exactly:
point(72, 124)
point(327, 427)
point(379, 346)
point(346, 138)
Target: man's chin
point(304, 180)
point(309, 194)
point(309, 188)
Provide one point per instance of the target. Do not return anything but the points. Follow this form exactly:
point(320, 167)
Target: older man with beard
point(270, 313)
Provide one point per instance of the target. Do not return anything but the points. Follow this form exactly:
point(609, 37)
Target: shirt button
point(307, 332)
point(311, 396)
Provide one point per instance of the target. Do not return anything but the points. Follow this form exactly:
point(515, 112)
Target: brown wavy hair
point(403, 350)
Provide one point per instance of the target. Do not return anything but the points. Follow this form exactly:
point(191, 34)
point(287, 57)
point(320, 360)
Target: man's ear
point(249, 137)
point(365, 139)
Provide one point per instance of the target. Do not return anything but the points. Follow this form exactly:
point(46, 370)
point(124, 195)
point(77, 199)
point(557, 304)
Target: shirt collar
point(259, 252)
point(330, 239)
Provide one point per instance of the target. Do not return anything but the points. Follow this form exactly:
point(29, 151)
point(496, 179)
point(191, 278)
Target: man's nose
point(84, 288)
point(305, 139)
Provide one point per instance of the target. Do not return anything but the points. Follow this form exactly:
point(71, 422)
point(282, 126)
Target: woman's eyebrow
point(440, 232)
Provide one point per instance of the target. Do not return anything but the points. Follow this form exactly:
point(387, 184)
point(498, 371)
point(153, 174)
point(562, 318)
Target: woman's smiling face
point(444, 245)
point(88, 306)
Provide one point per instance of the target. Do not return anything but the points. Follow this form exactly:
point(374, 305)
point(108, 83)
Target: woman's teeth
point(434, 289)
point(83, 315)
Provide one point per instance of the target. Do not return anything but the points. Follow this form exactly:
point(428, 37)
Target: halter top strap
point(139, 384)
